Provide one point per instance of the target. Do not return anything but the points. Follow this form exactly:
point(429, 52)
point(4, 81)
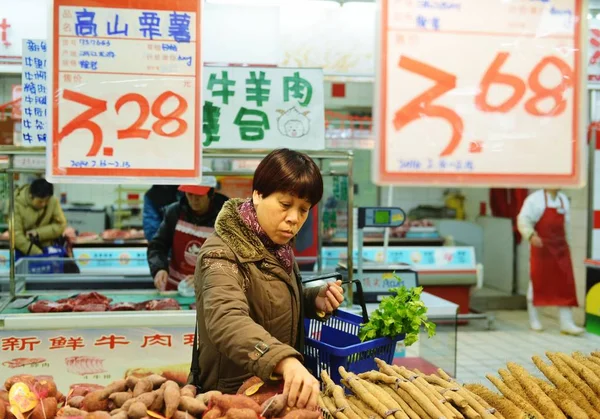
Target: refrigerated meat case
point(17, 163)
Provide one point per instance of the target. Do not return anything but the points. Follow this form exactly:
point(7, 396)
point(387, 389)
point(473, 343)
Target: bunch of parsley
point(397, 314)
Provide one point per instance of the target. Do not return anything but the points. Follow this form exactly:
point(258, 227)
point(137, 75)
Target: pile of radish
point(572, 390)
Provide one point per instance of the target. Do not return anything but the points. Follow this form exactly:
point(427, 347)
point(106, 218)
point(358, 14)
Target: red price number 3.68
point(422, 105)
point(136, 129)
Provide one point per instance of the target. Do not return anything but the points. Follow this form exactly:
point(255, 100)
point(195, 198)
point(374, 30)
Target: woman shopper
point(544, 221)
point(250, 299)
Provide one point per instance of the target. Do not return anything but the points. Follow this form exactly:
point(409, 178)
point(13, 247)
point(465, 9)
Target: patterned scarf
point(283, 253)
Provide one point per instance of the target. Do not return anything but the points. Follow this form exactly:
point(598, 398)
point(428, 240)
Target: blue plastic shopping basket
point(50, 262)
point(335, 343)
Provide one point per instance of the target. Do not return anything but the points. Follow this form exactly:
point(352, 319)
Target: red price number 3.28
point(422, 105)
point(136, 129)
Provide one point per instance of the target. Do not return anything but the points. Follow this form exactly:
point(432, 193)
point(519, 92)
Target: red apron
point(187, 241)
point(551, 268)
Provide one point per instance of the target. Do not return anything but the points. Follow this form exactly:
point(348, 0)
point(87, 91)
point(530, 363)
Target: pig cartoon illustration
point(292, 123)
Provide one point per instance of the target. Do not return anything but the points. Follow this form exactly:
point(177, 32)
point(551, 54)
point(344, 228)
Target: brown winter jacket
point(250, 311)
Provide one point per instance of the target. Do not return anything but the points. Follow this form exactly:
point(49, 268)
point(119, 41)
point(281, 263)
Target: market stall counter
point(81, 344)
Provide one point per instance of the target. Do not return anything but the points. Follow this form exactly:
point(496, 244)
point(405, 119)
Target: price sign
point(126, 79)
point(481, 92)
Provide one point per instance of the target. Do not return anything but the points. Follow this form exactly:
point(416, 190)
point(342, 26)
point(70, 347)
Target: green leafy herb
point(397, 314)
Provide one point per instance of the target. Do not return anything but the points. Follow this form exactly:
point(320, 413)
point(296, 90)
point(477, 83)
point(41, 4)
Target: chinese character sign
point(249, 107)
point(512, 116)
point(34, 98)
point(100, 356)
point(128, 84)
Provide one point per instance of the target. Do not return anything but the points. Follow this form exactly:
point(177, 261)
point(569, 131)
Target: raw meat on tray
point(46, 306)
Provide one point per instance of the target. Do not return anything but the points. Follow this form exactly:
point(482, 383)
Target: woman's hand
point(330, 297)
point(300, 387)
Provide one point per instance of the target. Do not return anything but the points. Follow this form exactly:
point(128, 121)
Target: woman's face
point(281, 215)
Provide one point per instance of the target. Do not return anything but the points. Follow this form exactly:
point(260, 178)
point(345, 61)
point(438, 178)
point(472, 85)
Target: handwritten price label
point(128, 85)
point(502, 109)
point(423, 106)
point(136, 129)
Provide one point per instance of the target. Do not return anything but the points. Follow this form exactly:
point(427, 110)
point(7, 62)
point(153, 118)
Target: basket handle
point(338, 277)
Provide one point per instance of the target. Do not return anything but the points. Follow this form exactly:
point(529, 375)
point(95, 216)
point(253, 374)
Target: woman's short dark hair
point(41, 188)
point(288, 171)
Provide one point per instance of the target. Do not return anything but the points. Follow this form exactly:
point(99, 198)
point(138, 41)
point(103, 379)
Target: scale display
point(380, 217)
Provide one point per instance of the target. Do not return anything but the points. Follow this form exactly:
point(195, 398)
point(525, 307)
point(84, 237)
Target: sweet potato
point(159, 401)
point(131, 381)
point(302, 414)
point(2, 410)
point(188, 391)
point(83, 389)
point(46, 408)
point(226, 402)
point(274, 406)
point(93, 402)
point(121, 415)
point(120, 398)
point(191, 406)
point(137, 410)
point(156, 380)
point(241, 414)
point(207, 397)
point(4, 396)
point(182, 415)
point(114, 387)
point(143, 386)
point(44, 386)
point(171, 396)
point(146, 398)
point(128, 404)
point(71, 411)
point(98, 415)
point(213, 413)
point(75, 402)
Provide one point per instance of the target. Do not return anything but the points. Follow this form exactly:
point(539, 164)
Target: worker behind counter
point(544, 221)
point(250, 300)
point(39, 219)
point(185, 227)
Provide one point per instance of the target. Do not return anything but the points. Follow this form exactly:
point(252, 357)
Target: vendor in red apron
point(173, 251)
point(544, 221)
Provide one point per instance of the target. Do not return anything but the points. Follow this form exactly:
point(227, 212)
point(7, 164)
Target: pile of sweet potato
point(151, 396)
point(243, 407)
point(135, 398)
point(263, 398)
point(45, 390)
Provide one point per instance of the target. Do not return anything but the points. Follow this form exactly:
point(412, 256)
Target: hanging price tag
point(126, 79)
point(494, 100)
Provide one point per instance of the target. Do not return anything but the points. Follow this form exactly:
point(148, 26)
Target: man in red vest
point(183, 231)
